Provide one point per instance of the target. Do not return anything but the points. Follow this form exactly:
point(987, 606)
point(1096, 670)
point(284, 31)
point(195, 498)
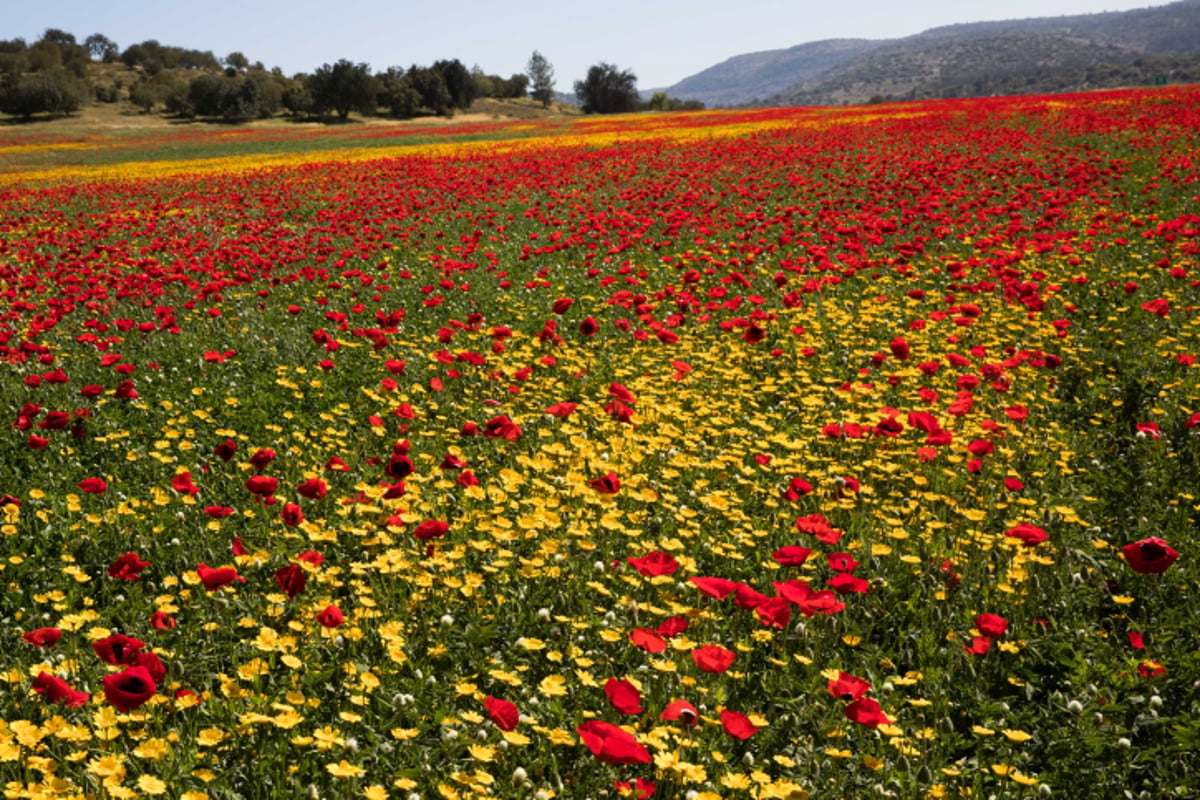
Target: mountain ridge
point(1034, 54)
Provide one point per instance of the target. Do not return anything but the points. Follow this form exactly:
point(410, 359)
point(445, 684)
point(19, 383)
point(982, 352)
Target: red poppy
point(502, 713)
point(713, 658)
point(774, 612)
point(818, 526)
point(215, 578)
point(1148, 429)
point(1030, 535)
point(606, 484)
point(35, 442)
point(1159, 307)
point(619, 411)
point(654, 563)
point(737, 725)
point(313, 489)
point(611, 744)
point(502, 427)
point(1151, 669)
point(452, 462)
point(130, 689)
point(262, 457)
point(900, 348)
point(845, 583)
point(153, 665)
point(430, 529)
point(1014, 485)
point(681, 710)
point(848, 688)
point(642, 788)
point(747, 596)
point(647, 640)
point(262, 485)
point(792, 555)
point(624, 696)
point(118, 649)
point(1149, 556)
point(43, 637)
point(992, 626)
point(56, 690)
point(866, 711)
point(291, 580)
point(161, 621)
point(561, 305)
point(330, 617)
point(797, 488)
point(182, 483)
point(672, 626)
point(93, 485)
point(127, 568)
point(292, 515)
point(225, 449)
point(1136, 641)
point(719, 588)
point(979, 645)
point(311, 557)
point(841, 562)
point(218, 512)
point(562, 410)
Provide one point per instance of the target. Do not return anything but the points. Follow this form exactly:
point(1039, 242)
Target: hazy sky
point(662, 41)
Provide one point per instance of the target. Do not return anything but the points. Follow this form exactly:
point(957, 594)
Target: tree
point(431, 86)
point(55, 91)
point(238, 61)
point(607, 90)
point(458, 82)
point(396, 92)
point(58, 37)
point(342, 87)
point(541, 78)
point(102, 48)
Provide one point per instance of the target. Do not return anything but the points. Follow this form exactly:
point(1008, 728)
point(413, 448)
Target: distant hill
point(760, 75)
point(1047, 54)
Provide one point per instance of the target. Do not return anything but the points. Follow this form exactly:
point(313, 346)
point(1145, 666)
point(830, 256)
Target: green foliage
point(102, 48)
point(541, 78)
point(607, 90)
point(238, 61)
point(342, 87)
point(458, 80)
point(396, 93)
point(430, 86)
point(54, 91)
point(233, 97)
point(154, 57)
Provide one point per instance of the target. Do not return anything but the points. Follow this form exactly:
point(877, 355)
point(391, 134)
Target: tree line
point(51, 75)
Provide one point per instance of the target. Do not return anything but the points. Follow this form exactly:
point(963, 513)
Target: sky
point(661, 41)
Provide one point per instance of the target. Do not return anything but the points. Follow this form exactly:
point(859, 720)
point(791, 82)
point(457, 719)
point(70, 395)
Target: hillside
point(768, 72)
point(1046, 54)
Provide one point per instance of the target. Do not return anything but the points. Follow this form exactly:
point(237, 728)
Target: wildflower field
point(788, 453)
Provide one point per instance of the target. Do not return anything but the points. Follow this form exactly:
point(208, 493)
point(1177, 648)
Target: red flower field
point(770, 453)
